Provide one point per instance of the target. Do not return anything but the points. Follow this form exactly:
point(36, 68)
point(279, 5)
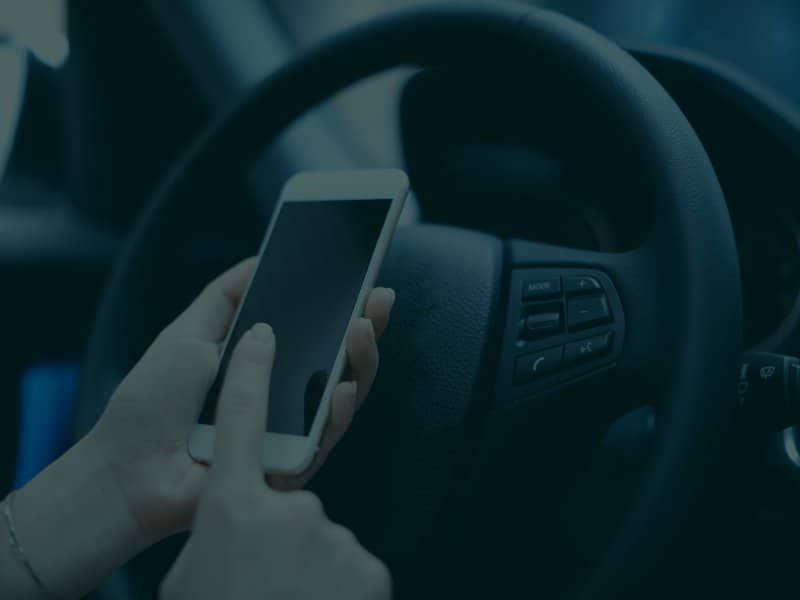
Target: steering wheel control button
point(535, 365)
point(537, 289)
point(586, 311)
point(542, 324)
point(581, 285)
point(564, 332)
point(587, 349)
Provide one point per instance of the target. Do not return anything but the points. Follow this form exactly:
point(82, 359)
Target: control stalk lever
point(769, 388)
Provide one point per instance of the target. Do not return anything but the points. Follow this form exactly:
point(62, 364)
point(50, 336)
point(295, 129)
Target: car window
point(12, 87)
point(761, 37)
point(37, 25)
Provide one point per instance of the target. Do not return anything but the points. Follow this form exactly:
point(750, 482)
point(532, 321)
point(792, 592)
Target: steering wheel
point(491, 339)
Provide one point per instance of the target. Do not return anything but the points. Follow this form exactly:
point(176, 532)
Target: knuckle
point(307, 505)
point(376, 360)
point(213, 288)
point(232, 507)
point(376, 577)
point(367, 333)
point(239, 398)
point(208, 361)
point(253, 351)
point(169, 589)
point(203, 358)
point(181, 354)
point(215, 502)
point(372, 575)
point(340, 536)
point(361, 336)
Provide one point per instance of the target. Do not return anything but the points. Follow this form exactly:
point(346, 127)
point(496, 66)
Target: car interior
point(647, 149)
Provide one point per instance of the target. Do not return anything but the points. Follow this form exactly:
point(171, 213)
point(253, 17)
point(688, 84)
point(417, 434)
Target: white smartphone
point(318, 262)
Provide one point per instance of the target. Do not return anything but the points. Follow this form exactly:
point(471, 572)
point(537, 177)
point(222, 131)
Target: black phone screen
point(306, 286)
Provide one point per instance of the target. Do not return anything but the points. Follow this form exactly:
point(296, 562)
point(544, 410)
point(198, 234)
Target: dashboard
point(752, 136)
point(768, 239)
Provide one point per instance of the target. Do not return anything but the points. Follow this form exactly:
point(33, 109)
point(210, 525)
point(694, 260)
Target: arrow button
point(581, 285)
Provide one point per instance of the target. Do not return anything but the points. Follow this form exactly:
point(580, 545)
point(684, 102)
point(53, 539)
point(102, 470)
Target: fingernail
point(262, 332)
point(392, 296)
point(354, 384)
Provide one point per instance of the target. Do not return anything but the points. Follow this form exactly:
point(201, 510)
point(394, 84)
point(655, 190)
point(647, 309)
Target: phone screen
point(306, 286)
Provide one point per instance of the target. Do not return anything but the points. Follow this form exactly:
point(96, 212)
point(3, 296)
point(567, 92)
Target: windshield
point(761, 37)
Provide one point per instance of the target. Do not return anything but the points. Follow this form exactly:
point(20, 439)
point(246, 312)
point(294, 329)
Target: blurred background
point(170, 66)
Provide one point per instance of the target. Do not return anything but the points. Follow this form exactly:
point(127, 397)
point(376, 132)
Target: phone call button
point(534, 365)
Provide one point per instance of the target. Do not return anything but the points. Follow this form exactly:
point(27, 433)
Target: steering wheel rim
point(679, 290)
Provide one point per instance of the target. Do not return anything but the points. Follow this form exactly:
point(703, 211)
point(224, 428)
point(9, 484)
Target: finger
point(242, 407)
point(343, 407)
point(362, 356)
point(379, 307)
point(209, 316)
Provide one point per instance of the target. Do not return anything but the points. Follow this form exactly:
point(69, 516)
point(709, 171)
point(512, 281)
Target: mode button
point(534, 289)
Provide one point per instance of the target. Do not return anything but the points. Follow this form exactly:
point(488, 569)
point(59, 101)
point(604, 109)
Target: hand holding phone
point(143, 432)
point(318, 262)
point(250, 541)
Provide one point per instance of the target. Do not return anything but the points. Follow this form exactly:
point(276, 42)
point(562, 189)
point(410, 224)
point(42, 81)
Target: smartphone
point(318, 262)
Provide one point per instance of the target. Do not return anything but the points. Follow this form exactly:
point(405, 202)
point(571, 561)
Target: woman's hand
point(250, 541)
point(131, 481)
point(145, 427)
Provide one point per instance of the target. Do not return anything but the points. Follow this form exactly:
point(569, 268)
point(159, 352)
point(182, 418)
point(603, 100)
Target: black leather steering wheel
point(459, 393)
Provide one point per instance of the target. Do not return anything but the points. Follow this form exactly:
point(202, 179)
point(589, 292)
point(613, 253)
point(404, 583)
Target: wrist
point(16, 580)
point(125, 491)
point(159, 483)
point(74, 522)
